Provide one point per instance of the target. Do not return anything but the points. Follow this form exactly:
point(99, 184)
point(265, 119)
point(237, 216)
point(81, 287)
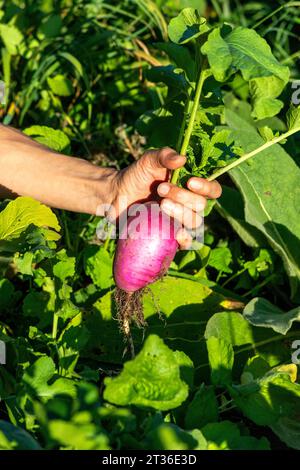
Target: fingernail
point(163, 189)
point(173, 156)
point(196, 184)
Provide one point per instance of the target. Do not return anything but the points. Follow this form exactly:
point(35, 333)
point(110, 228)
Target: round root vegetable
point(145, 249)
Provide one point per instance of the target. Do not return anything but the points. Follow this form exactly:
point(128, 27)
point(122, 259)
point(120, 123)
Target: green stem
point(183, 124)
point(256, 289)
point(231, 278)
point(224, 410)
point(107, 240)
point(187, 136)
point(54, 326)
point(290, 58)
point(251, 154)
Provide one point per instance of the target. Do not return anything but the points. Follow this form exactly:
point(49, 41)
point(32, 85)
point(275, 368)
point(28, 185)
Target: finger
point(187, 217)
point(183, 196)
point(184, 239)
point(210, 189)
point(163, 158)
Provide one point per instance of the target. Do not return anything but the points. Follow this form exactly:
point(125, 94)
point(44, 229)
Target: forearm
point(30, 169)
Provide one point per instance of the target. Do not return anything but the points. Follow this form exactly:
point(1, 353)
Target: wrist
point(104, 189)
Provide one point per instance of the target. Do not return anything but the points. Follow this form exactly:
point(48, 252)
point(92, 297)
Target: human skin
point(27, 168)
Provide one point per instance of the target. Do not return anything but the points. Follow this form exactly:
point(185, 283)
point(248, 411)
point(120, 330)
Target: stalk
point(251, 154)
point(187, 136)
point(54, 326)
point(183, 124)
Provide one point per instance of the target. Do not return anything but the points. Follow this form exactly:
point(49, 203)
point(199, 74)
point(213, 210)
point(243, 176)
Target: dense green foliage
point(214, 369)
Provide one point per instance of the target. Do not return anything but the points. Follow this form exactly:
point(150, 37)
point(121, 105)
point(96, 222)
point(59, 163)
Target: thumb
point(163, 158)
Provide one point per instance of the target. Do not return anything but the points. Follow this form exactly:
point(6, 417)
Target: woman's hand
point(147, 179)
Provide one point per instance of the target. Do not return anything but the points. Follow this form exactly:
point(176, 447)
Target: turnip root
point(145, 250)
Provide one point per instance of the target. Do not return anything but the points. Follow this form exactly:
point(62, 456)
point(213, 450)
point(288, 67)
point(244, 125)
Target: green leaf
point(37, 376)
point(268, 398)
point(266, 76)
point(98, 264)
point(168, 436)
point(288, 430)
point(181, 56)
point(169, 75)
point(202, 409)
point(231, 327)
point(261, 312)
point(24, 263)
point(162, 125)
point(186, 316)
point(220, 259)
point(186, 26)
point(71, 341)
point(16, 438)
point(64, 268)
point(255, 368)
point(226, 435)
point(267, 205)
point(266, 133)
point(60, 85)
point(221, 358)
point(22, 212)
point(51, 27)
point(293, 117)
point(78, 436)
point(231, 206)
point(12, 37)
point(52, 138)
point(152, 379)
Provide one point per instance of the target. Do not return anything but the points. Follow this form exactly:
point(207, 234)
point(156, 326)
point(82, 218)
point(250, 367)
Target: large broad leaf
point(260, 312)
point(82, 435)
point(247, 339)
point(36, 379)
point(25, 211)
point(288, 430)
point(221, 357)
point(152, 379)
point(269, 184)
point(179, 319)
point(168, 436)
point(266, 76)
point(186, 26)
point(202, 409)
point(269, 398)
point(231, 207)
point(231, 327)
point(12, 437)
point(227, 435)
